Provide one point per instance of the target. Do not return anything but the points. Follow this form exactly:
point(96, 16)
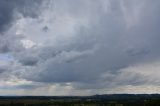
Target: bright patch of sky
point(6, 57)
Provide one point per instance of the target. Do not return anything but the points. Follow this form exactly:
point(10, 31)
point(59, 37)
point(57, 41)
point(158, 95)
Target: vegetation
point(97, 100)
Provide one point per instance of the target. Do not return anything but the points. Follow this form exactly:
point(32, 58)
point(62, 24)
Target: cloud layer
point(79, 47)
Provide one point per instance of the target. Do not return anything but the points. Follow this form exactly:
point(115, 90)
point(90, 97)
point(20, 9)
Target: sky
point(79, 47)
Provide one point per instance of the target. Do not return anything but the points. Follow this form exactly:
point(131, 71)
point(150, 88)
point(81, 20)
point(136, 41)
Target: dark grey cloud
point(29, 8)
point(88, 44)
point(10, 12)
point(120, 43)
point(5, 14)
point(3, 69)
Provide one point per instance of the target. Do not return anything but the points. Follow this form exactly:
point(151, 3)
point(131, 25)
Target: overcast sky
point(79, 47)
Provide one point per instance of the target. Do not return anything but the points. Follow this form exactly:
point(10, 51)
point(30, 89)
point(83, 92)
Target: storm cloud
point(76, 46)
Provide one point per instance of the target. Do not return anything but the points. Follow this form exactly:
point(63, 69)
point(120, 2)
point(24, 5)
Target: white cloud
point(28, 43)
